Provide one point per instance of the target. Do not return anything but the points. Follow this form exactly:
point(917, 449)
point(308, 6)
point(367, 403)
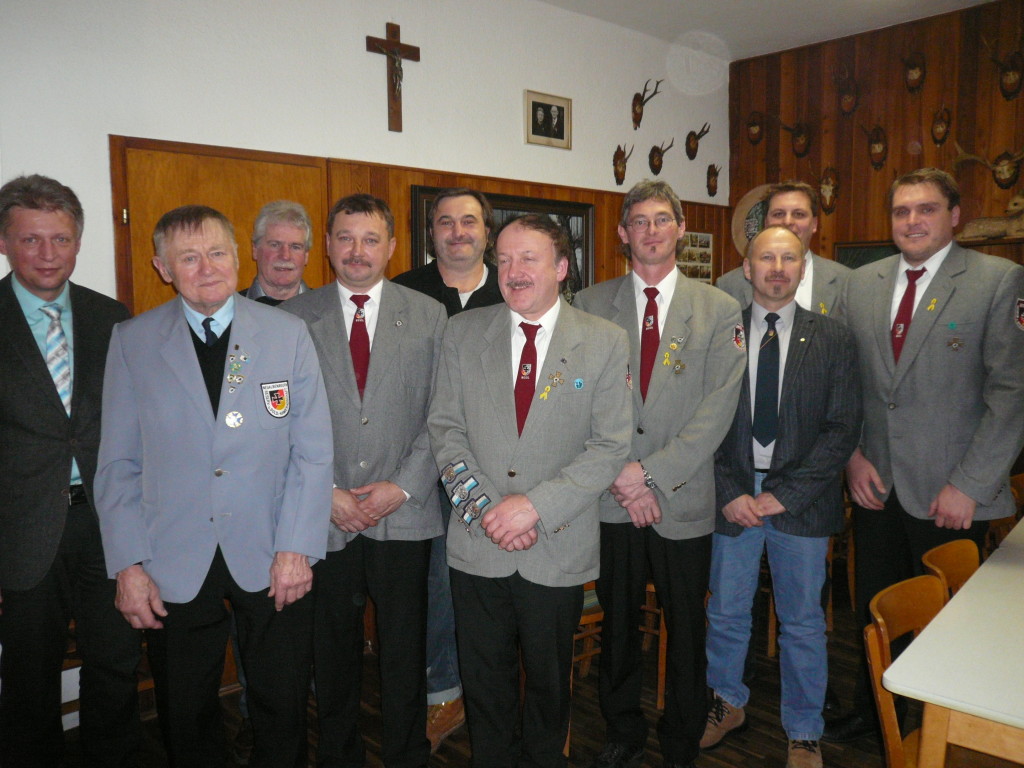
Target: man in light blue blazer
point(794, 205)
point(687, 357)
point(214, 483)
point(940, 335)
point(529, 424)
point(378, 345)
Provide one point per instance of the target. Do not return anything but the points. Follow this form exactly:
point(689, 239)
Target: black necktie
point(211, 337)
point(766, 398)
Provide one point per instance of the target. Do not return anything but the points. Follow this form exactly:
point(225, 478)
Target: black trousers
point(680, 570)
point(34, 633)
point(187, 660)
point(496, 620)
point(394, 574)
point(889, 544)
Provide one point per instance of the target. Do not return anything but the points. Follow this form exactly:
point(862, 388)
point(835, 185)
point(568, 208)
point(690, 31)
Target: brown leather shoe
point(443, 720)
point(722, 720)
point(804, 754)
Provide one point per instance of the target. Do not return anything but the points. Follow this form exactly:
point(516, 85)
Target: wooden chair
point(953, 563)
point(588, 633)
point(654, 626)
point(906, 606)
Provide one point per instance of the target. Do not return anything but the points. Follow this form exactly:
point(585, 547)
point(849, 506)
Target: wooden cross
point(395, 50)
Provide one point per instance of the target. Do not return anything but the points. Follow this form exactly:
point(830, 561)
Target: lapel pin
point(679, 367)
point(823, 308)
point(398, 323)
point(234, 419)
point(666, 359)
point(556, 378)
point(544, 394)
point(931, 305)
point(955, 344)
point(578, 383)
point(629, 382)
point(952, 326)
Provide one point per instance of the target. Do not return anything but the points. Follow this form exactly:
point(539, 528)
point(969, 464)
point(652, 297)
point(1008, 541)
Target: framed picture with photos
point(547, 119)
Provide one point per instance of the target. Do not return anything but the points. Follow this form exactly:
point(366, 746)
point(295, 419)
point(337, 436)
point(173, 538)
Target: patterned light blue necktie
point(57, 356)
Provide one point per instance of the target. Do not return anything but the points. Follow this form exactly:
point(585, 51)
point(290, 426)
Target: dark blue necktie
point(211, 337)
point(766, 398)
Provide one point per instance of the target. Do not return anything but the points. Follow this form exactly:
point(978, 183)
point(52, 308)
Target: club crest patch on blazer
point(275, 397)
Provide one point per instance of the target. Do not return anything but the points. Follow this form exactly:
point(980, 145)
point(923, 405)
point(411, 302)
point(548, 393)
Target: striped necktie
point(57, 354)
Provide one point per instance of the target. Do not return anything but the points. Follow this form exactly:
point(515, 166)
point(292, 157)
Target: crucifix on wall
point(393, 47)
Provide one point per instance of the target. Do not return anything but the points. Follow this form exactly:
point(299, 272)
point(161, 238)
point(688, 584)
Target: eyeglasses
point(640, 223)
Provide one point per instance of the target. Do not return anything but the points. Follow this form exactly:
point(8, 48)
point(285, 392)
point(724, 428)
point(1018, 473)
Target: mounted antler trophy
point(848, 92)
point(800, 139)
point(828, 189)
point(914, 70)
point(755, 127)
point(941, 121)
point(1010, 70)
point(619, 160)
point(712, 180)
point(657, 156)
point(878, 146)
point(640, 99)
point(693, 140)
point(1005, 168)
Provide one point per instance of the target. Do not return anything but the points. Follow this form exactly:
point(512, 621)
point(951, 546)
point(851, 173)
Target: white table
point(968, 664)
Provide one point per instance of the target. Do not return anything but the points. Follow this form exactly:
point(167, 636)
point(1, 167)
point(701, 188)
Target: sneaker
point(443, 720)
point(617, 754)
point(722, 720)
point(804, 753)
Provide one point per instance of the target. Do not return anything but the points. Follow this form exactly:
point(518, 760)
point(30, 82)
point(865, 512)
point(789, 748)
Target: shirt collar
point(932, 264)
point(547, 320)
point(786, 315)
point(666, 288)
point(221, 318)
point(31, 303)
point(374, 292)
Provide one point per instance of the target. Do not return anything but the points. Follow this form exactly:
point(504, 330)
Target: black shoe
point(831, 706)
point(617, 754)
point(851, 727)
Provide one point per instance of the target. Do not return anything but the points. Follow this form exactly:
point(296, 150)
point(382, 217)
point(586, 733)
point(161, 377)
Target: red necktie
point(650, 336)
point(904, 313)
point(527, 375)
point(359, 342)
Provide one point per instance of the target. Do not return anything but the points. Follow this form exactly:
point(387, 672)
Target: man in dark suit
point(529, 423)
point(385, 508)
point(51, 561)
point(777, 483)
point(214, 484)
point(940, 333)
point(460, 224)
point(794, 205)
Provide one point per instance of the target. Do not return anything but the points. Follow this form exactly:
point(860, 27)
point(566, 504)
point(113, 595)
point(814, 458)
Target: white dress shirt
point(371, 307)
point(541, 341)
point(931, 266)
point(666, 290)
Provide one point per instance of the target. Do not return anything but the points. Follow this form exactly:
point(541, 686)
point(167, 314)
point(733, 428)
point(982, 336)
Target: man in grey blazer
point(214, 483)
point(778, 489)
point(660, 509)
point(378, 345)
point(942, 365)
point(51, 559)
point(529, 423)
point(794, 205)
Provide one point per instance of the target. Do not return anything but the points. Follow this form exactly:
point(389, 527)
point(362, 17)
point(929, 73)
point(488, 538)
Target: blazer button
point(218, 473)
point(364, 464)
point(639, 430)
point(892, 406)
point(364, 421)
point(511, 473)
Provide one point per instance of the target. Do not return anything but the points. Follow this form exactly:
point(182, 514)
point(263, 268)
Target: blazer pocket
point(263, 409)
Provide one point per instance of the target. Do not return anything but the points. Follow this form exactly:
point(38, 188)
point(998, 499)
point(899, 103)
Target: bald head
point(774, 264)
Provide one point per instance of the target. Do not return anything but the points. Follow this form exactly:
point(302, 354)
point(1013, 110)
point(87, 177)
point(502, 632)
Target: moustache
point(517, 284)
point(355, 261)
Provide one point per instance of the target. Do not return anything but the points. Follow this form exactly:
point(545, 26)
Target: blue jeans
point(798, 572)
point(443, 681)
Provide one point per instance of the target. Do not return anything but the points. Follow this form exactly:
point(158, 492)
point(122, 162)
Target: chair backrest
point(953, 563)
point(906, 606)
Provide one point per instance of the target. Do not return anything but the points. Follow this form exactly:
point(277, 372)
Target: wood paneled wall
point(800, 86)
point(392, 183)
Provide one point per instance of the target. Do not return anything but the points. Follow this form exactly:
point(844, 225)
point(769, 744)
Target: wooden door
point(151, 177)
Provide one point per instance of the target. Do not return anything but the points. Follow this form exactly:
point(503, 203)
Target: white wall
point(294, 76)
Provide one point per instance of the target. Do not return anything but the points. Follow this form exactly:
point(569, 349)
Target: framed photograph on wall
point(696, 258)
point(576, 218)
point(548, 119)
